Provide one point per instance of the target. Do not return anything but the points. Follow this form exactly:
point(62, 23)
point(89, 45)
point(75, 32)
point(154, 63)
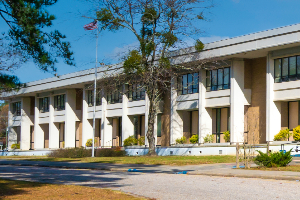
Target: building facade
point(254, 95)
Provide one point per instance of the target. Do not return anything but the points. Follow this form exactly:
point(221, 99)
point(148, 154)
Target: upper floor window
point(218, 79)
point(114, 96)
point(44, 104)
point(135, 92)
point(59, 102)
point(16, 108)
point(188, 83)
point(287, 69)
point(91, 98)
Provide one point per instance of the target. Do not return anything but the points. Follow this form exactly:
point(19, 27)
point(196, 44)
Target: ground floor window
point(221, 123)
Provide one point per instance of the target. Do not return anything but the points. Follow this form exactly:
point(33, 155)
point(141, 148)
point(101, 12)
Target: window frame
point(61, 101)
point(90, 95)
point(210, 86)
point(43, 108)
point(135, 92)
point(289, 76)
point(192, 87)
point(114, 96)
point(16, 108)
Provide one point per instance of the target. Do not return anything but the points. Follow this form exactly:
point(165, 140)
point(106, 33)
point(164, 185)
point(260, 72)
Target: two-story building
point(254, 95)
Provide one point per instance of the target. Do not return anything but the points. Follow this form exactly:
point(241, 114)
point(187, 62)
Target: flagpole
point(95, 93)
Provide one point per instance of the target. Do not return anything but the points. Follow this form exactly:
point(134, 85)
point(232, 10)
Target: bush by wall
point(15, 146)
point(181, 140)
point(227, 136)
point(208, 138)
point(296, 133)
point(89, 142)
point(277, 159)
point(110, 152)
point(282, 135)
point(130, 141)
point(194, 139)
point(71, 153)
point(141, 141)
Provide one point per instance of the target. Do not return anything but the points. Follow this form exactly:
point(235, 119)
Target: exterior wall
point(165, 121)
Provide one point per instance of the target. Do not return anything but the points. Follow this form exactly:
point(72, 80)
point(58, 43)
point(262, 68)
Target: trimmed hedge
point(110, 152)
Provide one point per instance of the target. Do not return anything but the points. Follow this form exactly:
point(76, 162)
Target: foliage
point(141, 141)
point(194, 139)
point(282, 135)
point(71, 153)
point(208, 138)
point(296, 133)
point(130, 141)
point(199, 46)
point(227, 136)
point(277, 159)
point(15, 146)
point(181, 140)
point(89, 142)
point(110, 152)
point(29, 37)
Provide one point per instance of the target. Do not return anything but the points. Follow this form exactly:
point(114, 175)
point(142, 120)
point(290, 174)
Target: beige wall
point(255, 79)
point(224, 119)
point(284, 115)
point(45, 128)
point(195, 122)
point(78, 136)
point(293, 114)
point(165, 121)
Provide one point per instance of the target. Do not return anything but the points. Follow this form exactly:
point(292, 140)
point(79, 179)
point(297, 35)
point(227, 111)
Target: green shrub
point(277, 159)
point(227, 136)
point(71, 153)
point(89, 142)
point(296, 133)
point(194, 139)
point(130, 141)
point(110, 152)
point(141, 141)
point(282, 135)
point(208, 138)
point(181, 140)
point(15, 146)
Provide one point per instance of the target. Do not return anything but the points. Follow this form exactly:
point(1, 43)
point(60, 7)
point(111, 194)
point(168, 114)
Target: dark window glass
point(115, 96)
point(195, 83)
point(218, 79)
point(277, 70)
point(285, 69)
point(59, 102)
point(214, 80)
point(298, 67)
point(190, 83)
point(292, 68)
point(16, 108)
point(135, 92)
point(226, 78)
point(44, 104)
point(184, 84)
point(208, 80)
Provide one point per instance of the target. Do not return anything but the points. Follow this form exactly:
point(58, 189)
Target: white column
point(127, 124)
point(273, 112)
point(176, 121)
point(87, 127)
point(205, 114)
point(12, 135)
point(155, 129)
point(38, 131)
point(106, 125)
point(70, 118)
point(53, 127)
point(237, 102)
point(146, 118)
point(25, 124)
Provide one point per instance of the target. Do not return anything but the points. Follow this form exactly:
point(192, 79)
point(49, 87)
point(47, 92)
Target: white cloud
point(120, 52)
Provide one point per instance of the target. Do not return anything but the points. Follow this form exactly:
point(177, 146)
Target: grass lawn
point(158, 160)
point(10, 189)
point(293, 168)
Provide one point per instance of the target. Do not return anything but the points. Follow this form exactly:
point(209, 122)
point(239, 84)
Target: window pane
point(285, 69)
point(41, 104)
point(179, 85)
point(277, 70)
point(292, 66)
point(190, 83)
point(226, 78)
point(208, 80)
point(220, 79)
point(184, 84)
point(298, 67)
point(196, 83)
point(214, 81)
point(218, 120)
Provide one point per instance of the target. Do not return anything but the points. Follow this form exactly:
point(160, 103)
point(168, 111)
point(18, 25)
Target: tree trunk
point(151, 120)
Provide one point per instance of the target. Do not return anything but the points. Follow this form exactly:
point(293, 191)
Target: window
point(115, 96)
point(135, 92)
point(188, 83)
point(44, 104)
point(218, 79)
point(16, 108)
point(91, 98)
point(287, 69)
point(59, 102)
point(221, 122)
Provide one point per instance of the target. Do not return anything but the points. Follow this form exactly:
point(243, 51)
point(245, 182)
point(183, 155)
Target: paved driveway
point(160, 185)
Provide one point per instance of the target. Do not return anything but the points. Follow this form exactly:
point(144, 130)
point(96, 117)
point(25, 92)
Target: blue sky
point(229, 18)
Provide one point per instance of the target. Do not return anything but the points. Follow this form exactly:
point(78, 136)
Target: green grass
point(146, 160)
point(293, 168)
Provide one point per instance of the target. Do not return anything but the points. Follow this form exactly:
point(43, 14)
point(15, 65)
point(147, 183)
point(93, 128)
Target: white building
point(254, 96)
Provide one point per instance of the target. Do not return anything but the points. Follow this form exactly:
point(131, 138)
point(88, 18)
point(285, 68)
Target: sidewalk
point(223, 170)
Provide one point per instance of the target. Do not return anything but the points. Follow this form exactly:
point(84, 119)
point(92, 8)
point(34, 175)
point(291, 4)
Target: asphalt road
point(160, 185)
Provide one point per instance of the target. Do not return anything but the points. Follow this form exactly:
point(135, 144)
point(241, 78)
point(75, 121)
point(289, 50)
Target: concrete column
point(146, 118)
point(38, 131)
point(106, 125)
point(127, 123)
point(12, 135)
point(273, 112)
point(25, 124)
point(237, 102)
point(70, 118)
point(87, 127)
point(155, 130)
point(205, 114)
point(53, 127)
point(176, 122)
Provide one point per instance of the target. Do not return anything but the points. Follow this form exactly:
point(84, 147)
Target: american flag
point(91, 26)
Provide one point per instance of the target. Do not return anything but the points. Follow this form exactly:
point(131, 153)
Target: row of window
point(287, 69)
